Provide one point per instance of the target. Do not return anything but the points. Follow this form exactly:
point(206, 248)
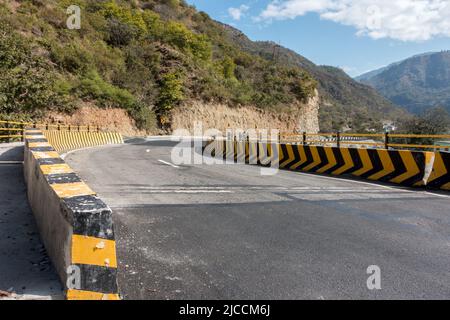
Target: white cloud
point(238, 13)
point(407, 20)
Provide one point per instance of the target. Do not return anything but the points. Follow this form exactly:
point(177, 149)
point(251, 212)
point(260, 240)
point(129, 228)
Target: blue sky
point(355, 35)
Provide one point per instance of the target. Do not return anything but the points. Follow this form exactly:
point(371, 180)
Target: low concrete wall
point(440, 174)
point(408, 168)
point(76, 227)
point(65, 140)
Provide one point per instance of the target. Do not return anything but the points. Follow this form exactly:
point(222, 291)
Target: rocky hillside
point(345, 103)
point(151, 58)
point(417, 84)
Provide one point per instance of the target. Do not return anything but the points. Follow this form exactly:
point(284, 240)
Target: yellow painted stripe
point(411, 167)
point(96, 251)
point(439, 168)
point(90, 295)
point(67, 190)
point(316, 159)
point(241, 151)
point(38, 144)
point(331, 160)
point(366, 162)
point(37, 136)
point(45, 155)
point(388, 166)
point(56, 168)
point(253, 153)
point(347, 160)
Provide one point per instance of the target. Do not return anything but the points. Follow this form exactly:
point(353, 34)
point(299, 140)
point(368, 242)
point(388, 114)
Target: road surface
point(226, 232)
point(25, 268)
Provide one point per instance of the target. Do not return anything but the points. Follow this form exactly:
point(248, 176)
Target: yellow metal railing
point(378, 140)
point(14, 130)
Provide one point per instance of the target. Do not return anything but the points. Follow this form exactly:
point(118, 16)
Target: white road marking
point(399, 188)
point(168, 163)
point(11, 162)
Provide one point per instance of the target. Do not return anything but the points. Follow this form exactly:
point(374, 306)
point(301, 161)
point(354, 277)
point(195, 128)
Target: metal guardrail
point(377, 140)
point(14, 130)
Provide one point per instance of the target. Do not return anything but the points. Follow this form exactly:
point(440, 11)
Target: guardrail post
point(7, 132)
point(304, 138)
point(386, 140)
point(338, 139)
point(59, 127)
point(46, 126)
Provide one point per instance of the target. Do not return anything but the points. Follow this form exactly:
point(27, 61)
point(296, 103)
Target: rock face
point(113, 119)
point(298, 118)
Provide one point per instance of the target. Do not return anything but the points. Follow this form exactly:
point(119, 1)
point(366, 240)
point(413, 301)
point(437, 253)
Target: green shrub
point(171, 92)
point(94, 87)
point(130, 17)
point(145, 117)
point(27, 80)
point(72, 57)
point(178, 35)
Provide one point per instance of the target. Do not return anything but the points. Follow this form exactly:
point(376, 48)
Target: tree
point(433, 121)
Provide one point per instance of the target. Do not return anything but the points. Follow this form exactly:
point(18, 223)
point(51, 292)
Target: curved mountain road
point(226, 232)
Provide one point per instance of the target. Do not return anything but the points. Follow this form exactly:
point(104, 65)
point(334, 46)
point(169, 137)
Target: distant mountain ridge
point(373, 73)
point(345, 102)
point(417, 84)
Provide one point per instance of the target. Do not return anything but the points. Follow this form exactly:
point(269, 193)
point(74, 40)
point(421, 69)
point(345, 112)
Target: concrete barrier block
point(76, 226)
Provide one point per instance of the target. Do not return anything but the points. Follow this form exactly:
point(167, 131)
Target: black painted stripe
point(356, 159)
point(47, 161)
point(42, 149)
point(89, 216)
point(247, 152)
point(98, 225)
point(284, 154)
point(309, 158)
point(376, 163)
point(419, 158)
point(296, 160)
point(63, 178)
point(439, 182)
point(37, 140)
point(339, 160)
point(98, 279)
point(323, 159)
point(398, 163)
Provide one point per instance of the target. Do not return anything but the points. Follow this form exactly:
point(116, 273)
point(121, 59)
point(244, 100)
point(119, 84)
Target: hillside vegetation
point(417, 84)
point(144, 56)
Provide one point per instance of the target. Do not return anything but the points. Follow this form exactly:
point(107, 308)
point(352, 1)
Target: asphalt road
point(226, 232)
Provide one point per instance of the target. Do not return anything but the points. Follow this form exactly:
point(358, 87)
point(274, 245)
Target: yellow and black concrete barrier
point(75, 225)
point(395, 166)
point(440, 174)
point(402, 167)
point(64, 141)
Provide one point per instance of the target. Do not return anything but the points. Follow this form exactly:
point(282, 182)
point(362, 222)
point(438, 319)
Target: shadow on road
point(24, 265)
